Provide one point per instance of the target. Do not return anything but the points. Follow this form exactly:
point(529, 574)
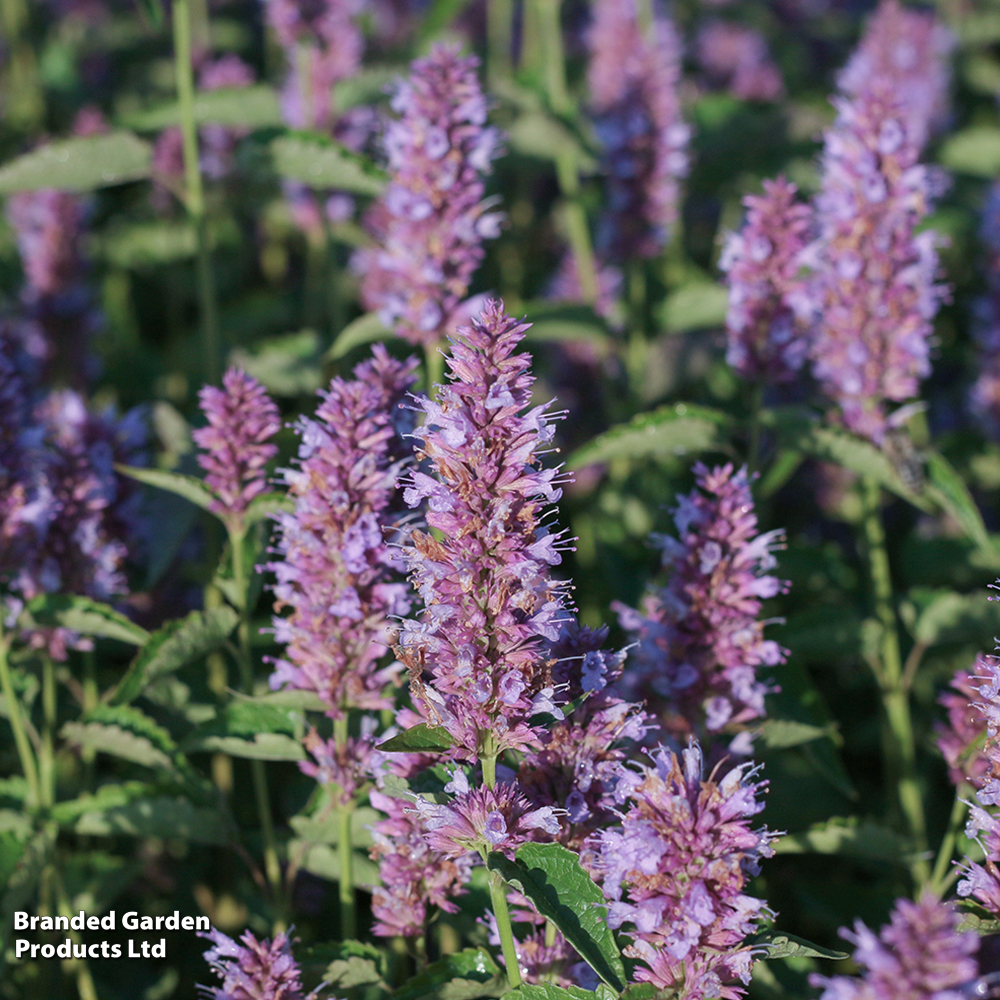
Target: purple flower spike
point(908, 49)
point(700, 640)
point(960, 740)
point(875, 293)
point(677, 869)
point(476, 654)
point(242, 419)
point(432, 220)
point(735, 57)
point(984, 399)
point(919, 955)
point(767, 335)
point(633, 81)
point(252, 969)
point(337, 573)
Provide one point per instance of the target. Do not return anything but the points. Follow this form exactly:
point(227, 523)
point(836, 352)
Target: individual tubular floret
point(430, 224)
point(476, 653)
point(336, 571)
point(676, 872)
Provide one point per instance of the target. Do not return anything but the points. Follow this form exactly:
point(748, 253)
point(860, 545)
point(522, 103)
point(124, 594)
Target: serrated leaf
point(420, 738)
point(175, 482)
point(974, 151)
point(356, 965)
point(549, 991)
point(779, 734)
point(696, 306)
point(125, 732)
point(86, 616)
point(670, 430)
point(946, 488)
point(863, 840)
point(976, 917)
point(550, 875)
point(173, 646)
point(952, 617)
point(780, 944)
point(366, 329)
point(463, 975)
point(245, 728)
point(319, 162)
point(83, 163)
point(324, 829)
point(253, 107)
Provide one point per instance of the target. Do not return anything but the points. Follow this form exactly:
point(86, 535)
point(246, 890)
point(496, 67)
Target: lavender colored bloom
point(735, 58)
point(346, 767)
point(235, 445)
point(476, 654)
point(336, 572)
point(700, 640)
point(431, 221)
point(565, 287)
point(677, 869)
point(415, 876)
point(633, 80)
point(49, 227)
point(919, 955)
point(252, 969)
point(874, 295)
point(764, 325)
point(984, 398)
point(960, 740)
point(909, 51)
point(484, 819)
point(218, 142)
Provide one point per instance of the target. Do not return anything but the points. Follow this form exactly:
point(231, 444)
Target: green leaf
point(366, 329)
point(974, 151)
point(266, 505)
point(321, 163)
point(779, 734)
point(251, 107)
point(560, 323)
point(324, 829)
point(670, 430)
point(947, 488)
point(538, 134)
point(33, 857)
point(83, 163)
point(551, 877)
point(976, 917)
point(171, 647)
point(245, 728)
point(288, 365)
point(125, 732)
point(951, 617)
point(780, 944)
point(145, 244)
point(175, 482)
point(864, 840)
point(696, 306)
point(157, 816)
point(420, 738)
point(355, 965)
point(324, 861)
point(463, 975)
point(86, 616)
point(549, 991)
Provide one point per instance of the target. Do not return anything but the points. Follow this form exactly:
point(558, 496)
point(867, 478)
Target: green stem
point(345, 846)
point(499, 16)
point(901, 763)
point(194, 193)
point(947, 849)
point(22, 88)
point(24, 750)
point(47, 757)
point(498, 897)
point(84, 980)
point(553, 54)
point(434, 362)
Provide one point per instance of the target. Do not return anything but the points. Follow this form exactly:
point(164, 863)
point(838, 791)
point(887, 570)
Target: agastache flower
point(242, 420)
point(415, 877)
point(984, 399)
point(633, 78)
point(735, 57)
point(961, 740)
point(874, 295)
point(919, 955)
point(677, 869)
point(252, 969)
point(336, 571)
point(909, 50)
point(431, 221)
point(346, 767)
point(476, 654)
point(700, 640)
point(767, 337)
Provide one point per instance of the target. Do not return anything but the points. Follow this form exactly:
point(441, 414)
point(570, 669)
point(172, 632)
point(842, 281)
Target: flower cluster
point(252, 969)
point(346, 767)
point(735, 57)
point(908, 50)
point(874, 294)
point(960, 739)
point(677, 870)
point(476, 654)
point(767, 337)
point(336, 570)
point(236, 444)
point(633, 78)
point(984, 398)
point(700, 641)
point(919, 955)
point(430, 223)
